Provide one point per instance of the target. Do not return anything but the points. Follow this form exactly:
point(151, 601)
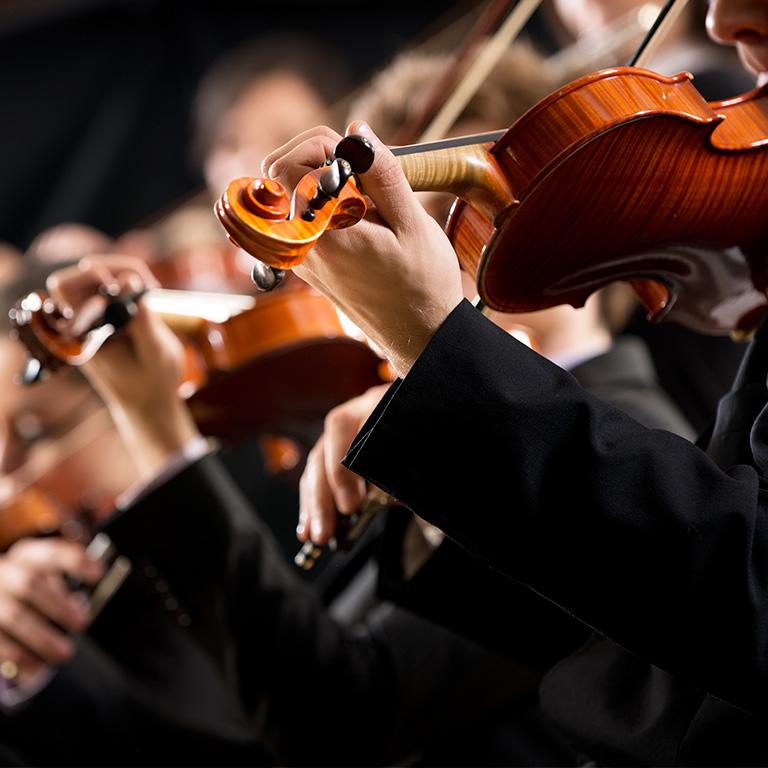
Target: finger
point(152, 339)
point(27, 663)
point(86, 316)
point(317, 506)
point(24, 625)
point(57, 556)
point(302, 527)
point(46, 593)
point(307, 156)
point(120, 264)
point(341, 426)
point(385, 183)
point(318, 131)
point(71, 286)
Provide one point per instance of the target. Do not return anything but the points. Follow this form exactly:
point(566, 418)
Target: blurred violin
point(609, 178)
point(277, 362)
point(29, 513)
point(59, 488)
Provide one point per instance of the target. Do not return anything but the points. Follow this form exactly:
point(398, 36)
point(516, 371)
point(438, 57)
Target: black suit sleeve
point(269, 633)
point(633, 530)
point(319, 691)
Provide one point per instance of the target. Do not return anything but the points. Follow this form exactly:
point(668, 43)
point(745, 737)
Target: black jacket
point(316, 691)
point(216, 653)
point(635, 531)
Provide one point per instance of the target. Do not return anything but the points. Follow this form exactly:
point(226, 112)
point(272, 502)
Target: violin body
point(280, 366)
point(623, 174)
point(626, 174)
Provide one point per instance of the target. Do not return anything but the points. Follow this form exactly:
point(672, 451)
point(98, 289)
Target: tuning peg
point(266, 278)
point(32, 372)
point(357, 151)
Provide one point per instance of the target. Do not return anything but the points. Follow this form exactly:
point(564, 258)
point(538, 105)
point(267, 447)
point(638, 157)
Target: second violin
point(276, 362)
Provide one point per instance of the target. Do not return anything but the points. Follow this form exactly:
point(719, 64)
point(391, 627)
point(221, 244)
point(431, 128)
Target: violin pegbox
point(37, 323)
point(279, 231)
point(32, 321)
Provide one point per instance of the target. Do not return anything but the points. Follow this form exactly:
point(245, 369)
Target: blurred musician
point(258, 97)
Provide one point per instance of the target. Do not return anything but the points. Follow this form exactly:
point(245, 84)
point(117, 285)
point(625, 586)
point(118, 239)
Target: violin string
point(480, 68)
point(664, 21)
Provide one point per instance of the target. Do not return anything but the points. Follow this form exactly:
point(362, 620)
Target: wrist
point(153, 435)
point(407, 348)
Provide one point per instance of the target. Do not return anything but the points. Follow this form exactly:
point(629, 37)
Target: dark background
point(95, 96)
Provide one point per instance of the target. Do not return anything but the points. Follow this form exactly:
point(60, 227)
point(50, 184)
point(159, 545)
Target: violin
point(252, 363)
point(59, 487)
point(609, 178)
point(29, 513)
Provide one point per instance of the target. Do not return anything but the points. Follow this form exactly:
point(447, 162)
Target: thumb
point(385, 183)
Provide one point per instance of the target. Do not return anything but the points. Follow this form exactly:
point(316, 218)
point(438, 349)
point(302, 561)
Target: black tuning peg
point(357, 151)
point(331, 182)
point(266, 278)
point(119, 310)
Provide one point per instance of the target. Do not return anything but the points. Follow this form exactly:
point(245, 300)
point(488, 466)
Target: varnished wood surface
point(279, 363)
point(623, 174)
point(467, 172)
point(282, 241)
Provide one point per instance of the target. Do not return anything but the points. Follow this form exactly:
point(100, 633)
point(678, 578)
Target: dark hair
point(308, 58)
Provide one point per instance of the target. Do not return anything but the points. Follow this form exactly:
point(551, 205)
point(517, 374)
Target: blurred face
point(269, 113)
point(65, 242)
point(743, 23)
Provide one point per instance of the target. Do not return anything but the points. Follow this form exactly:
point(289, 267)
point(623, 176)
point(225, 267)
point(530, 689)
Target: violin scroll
point(37, 323)
point(278, 230)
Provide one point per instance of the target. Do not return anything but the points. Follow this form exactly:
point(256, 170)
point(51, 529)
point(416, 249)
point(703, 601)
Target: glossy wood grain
point(621, 175)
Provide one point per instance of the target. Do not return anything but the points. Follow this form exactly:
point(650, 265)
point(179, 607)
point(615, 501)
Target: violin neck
point(462, 166)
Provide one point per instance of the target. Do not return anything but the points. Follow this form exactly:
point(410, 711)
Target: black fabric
point(510, 618)
point(695, 369)
point(633, 530)
point(316, 691)
point(140, 691)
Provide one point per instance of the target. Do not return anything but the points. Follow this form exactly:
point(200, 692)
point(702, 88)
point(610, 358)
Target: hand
point(326, 486)
point(35, 604)
point(395, 274)
point(138, 371)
